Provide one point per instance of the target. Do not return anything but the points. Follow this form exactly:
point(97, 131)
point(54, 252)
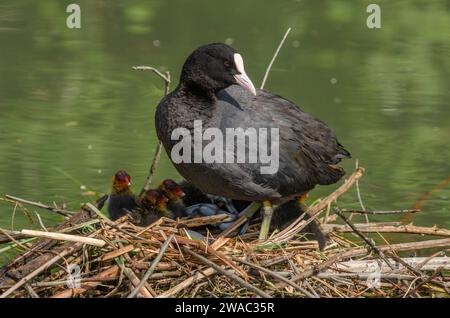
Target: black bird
point(194, 195)
point(215, 89)
point(288, 212)
point(152, 206)
point(175, 195)
point(121, 200)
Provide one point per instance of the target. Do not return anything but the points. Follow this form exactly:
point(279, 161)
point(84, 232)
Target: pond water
point(72, 111)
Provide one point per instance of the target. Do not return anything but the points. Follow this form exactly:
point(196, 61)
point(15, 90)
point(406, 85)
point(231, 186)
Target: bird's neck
point(178, 202)
point(122, 191)
point(198, 91)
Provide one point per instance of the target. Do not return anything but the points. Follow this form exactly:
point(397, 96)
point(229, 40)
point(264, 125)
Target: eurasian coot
point(175, 194)
point(153, 205)
point(121, 200)
point(215, 92)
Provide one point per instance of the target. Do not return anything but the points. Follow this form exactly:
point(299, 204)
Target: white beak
point(242, 78)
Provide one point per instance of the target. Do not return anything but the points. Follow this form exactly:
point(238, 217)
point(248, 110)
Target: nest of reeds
point(90, 256)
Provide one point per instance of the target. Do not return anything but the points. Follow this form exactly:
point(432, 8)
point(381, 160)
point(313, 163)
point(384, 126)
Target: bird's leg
point(267, 218)
point(244, 217)
point(301, 201)
point(227, 202)
point(250, 210)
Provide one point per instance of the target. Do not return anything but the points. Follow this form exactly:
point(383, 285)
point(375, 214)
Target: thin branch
point(358, 193)
point(317, 269)
point(40, 222)
point(152, 171)
point(381, 212)
point(152, 267)
point(11, 238)
point(157, 155)
point(405, 264)
point(144, 291)
point(275, 275)
point(64, 237)
point(41, 205)
point(274, 57)
point(381, 228)
point(365, 238)
point(423, 281)
point(232, 276)
point(153, 69)
point(188, 282)
point(204, 220)
point(298, 224)
point(365, 276)
point(400, 247)
point(13, 216)
point(31, 291)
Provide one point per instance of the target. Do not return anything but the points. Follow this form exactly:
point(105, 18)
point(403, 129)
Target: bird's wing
point(308, 148)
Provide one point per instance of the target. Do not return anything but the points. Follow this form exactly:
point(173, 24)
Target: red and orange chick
point(122, 200)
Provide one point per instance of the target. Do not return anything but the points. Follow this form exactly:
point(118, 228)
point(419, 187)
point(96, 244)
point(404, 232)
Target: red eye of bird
point(227, 64)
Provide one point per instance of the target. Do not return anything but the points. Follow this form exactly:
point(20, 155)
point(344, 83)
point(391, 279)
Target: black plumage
point(215, 91)
point(288, 212)
point(153, 206)
point(121, 201)
point(175, 194)
point(194, 195)
point(308, 148)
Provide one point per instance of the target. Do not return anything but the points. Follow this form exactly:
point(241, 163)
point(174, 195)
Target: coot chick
point(193, 195)
point(286, 213)
point(215, 90)
point(175, 194)
point(195, 202)
point(121, 200)
point(185, 195)
point(153, 206)
point(187, 200)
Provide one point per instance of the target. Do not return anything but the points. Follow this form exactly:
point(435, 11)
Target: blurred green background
point(72, 111)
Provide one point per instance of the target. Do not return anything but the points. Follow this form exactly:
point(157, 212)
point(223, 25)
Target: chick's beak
point(242, 78)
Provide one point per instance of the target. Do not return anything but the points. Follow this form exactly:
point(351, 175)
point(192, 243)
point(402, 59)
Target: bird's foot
point(301, 201)
point(228, 203)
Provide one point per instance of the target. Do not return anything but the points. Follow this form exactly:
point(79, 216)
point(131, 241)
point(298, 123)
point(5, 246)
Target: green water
point(72, 111)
